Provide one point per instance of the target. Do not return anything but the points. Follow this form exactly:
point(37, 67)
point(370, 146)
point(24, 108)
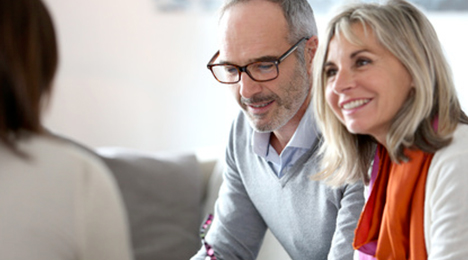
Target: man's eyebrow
point(259, 59)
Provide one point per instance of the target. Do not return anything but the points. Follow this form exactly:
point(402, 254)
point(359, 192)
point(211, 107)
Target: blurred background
point(133, 73)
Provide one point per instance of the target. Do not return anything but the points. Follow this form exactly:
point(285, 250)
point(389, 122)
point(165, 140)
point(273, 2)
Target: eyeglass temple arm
point(291, 50)
point(215, 56)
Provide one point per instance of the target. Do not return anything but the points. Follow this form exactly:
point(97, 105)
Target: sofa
point(167, 196)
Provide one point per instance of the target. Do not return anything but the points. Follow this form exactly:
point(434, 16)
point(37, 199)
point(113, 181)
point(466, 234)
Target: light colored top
point(300, 143)
point(446, 197)
point(309, 219)
point(446, 202)
point(59, 204)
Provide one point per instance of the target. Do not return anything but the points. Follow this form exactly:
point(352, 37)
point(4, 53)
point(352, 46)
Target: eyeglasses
point(204, 227)
point(260, 71)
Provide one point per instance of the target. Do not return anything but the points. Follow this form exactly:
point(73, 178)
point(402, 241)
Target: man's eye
point(230, 69)
point(262, 66)
point(265, 66)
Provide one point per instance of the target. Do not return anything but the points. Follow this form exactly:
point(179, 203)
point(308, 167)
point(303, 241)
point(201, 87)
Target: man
point(265, 58)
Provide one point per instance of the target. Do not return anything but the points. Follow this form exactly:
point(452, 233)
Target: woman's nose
point(343, 81)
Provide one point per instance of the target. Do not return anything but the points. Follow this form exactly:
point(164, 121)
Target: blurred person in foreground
point(264, 58)
point(382, 81)
point(56, 202)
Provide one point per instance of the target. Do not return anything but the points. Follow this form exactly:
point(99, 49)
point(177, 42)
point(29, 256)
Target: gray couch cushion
point(163, 197)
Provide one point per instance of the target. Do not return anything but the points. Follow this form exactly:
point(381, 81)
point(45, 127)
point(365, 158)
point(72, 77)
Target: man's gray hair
point(298, 15)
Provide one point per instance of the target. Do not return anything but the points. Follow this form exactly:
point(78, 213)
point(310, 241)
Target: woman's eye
point(330, 72)
point(362, 62)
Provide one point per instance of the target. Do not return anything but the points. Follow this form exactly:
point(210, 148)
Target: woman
point(56, 202)
point(381, 83)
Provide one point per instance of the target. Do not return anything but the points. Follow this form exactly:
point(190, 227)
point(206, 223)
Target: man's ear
point(309, 51)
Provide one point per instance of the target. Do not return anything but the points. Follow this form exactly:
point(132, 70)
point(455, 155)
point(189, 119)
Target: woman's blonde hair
point(407, 33)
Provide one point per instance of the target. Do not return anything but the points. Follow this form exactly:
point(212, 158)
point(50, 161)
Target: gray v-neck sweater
point(309, 219)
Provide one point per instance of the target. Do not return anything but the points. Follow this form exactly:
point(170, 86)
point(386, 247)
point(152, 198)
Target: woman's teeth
point(355, 103)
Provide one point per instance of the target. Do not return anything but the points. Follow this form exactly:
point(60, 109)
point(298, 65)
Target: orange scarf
point(393, 216)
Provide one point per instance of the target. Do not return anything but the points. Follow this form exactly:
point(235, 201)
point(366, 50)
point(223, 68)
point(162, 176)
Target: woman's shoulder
point(459, 140)
point(456, 152)
point(50, 149)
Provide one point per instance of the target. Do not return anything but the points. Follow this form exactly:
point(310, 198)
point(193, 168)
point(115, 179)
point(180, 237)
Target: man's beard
point(295, 93)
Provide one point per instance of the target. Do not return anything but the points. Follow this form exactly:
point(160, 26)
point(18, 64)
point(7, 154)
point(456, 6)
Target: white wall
point(450, 28)
point(132, 76)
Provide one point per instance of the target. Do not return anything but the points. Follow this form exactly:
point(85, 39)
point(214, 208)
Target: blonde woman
point(384, 99)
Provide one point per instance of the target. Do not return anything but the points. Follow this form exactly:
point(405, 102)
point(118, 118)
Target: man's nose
point(247, 86)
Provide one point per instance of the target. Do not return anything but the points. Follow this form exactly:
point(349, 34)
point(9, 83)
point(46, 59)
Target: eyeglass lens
point(259, 71)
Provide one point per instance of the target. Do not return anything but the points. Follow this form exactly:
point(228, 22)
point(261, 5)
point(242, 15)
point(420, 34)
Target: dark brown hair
point(28, 62)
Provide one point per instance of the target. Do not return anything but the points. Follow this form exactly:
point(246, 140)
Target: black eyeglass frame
point(241, 69)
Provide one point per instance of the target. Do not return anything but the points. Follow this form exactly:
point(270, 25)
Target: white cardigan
point(446, 202)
